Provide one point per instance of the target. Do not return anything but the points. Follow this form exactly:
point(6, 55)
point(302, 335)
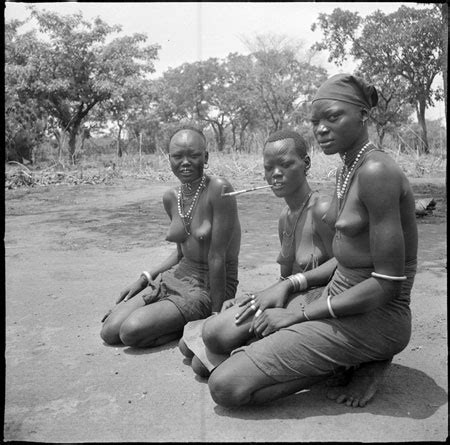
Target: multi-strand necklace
point(187, 191)
point(287, 238)
point(346, 172)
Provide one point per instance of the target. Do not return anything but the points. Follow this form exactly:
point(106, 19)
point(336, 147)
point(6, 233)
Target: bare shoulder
point(380, 170)
point(321, 206)
point(381, 181)
point(169, 197)
point(217, 185)
point(283, 214)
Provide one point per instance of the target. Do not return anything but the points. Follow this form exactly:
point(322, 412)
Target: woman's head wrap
point(348, 88)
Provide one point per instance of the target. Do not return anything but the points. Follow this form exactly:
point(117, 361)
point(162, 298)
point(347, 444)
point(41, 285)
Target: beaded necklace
point(187, 217)
point(342, 183)
point(290, 236)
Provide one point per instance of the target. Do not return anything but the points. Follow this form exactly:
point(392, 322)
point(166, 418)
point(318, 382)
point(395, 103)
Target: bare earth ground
point(71, 249)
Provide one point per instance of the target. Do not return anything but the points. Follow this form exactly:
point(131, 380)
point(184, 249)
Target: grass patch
point(239, 168)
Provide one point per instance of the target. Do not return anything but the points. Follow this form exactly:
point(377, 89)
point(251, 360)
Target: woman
point(363, 314)
point(201, 273)
point(305, 243)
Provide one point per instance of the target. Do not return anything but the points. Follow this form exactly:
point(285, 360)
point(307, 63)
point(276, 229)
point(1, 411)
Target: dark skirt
point(323, 347)
point(187, 286)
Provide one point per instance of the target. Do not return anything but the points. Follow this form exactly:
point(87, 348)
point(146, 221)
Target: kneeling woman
point(305, 244)
point(363, 316)
point(202, 271)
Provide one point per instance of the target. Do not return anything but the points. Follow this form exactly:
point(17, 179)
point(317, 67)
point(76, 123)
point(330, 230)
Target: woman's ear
point(307, 161)
point(364, 115)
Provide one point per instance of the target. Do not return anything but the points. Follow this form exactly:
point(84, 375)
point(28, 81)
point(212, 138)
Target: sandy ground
point(71, 249)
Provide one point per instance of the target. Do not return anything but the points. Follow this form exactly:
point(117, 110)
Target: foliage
point(24, 119)
point(72, 68)
point(406, 52)
point(239, 93)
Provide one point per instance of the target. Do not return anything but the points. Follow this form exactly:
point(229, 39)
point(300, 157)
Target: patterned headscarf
point(348, 88)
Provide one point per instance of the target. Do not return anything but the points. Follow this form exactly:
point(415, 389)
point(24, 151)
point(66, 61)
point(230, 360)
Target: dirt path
point(69, 250)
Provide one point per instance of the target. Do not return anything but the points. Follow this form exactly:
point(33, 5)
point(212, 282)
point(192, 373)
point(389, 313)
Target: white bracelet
point(330, 309)
point(306, 316)
point(298, 281)
point(146, 275)
point(388, 277)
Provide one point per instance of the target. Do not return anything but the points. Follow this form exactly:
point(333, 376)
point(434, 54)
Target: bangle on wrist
point(388, 277)
point(305, 315)
point(146, 274)
point(330, 309)
point(298, 281)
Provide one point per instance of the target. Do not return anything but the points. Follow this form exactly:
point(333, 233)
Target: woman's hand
point(132, 290)
point(227, 304)
point(273, 296)
point(272, 320)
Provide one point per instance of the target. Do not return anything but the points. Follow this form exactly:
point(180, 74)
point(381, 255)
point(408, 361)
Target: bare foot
point(363, 384)
point(199, 368)
point(184, 349)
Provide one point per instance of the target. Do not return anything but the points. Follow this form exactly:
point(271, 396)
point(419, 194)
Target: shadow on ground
point(408, 393)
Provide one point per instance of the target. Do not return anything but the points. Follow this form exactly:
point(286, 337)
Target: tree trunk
point(119, 148)
point(219, 135)
point(72, 143)
point(233, 132)
point(381, 134)
point(420, 109)
point(242, 137)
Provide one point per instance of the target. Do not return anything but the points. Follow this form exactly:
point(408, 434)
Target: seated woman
point(305, 243)
point(363, 316)
point(201, 273)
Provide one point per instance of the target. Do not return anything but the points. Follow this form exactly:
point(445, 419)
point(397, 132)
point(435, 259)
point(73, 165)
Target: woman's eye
point(332, 118)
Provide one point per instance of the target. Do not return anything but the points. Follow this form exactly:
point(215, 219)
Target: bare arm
point(285, 269)
point(379, 190)
point(173, 259)
point(223, 224)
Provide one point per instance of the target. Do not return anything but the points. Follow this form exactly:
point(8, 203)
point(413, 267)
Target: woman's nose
point(321, 128)
point(276, 172)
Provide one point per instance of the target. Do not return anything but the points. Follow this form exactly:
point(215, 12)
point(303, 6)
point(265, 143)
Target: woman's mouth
point(325, 144)
point(277, 185)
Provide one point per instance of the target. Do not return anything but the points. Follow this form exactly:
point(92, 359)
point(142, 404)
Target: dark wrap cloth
point(348, 88)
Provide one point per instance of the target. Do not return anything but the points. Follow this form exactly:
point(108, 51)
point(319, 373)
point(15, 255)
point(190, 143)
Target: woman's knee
point(184, 349)
point(132, 333)
point(213, 337)
point(110, 333)
point(224, 389)
point(199, 368)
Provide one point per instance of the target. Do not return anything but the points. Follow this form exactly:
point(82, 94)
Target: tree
point(283, 76)
point(25, 121)
point(71, 68)
point(240, 99)
point(406, 44)
point(444, 14)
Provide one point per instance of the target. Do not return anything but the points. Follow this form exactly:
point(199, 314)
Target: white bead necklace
point(187, 217)
point(342, 183)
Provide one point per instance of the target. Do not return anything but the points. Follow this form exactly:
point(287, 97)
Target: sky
point(193, 31)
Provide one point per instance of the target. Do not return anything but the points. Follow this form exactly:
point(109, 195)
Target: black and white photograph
point(225, 222)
